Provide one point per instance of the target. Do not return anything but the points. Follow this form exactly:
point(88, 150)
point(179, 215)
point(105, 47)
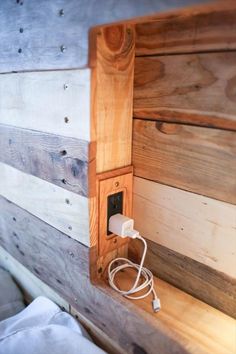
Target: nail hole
point(66, 119)
point(63, 180)
point(14, 219)
point(67, 201)
point(61, 12)
point(70, 227)
point(19, 50)
point(21, 30)
point(63, 152)
point(100, 270)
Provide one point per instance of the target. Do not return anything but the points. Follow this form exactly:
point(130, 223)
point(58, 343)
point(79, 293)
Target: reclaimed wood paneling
point(30, 285)
point(213, 287)
point(56, 102)
point(192, 225)
point(196, 159)
point(194, 88)
point(128, 325)
point(54, 34)
point(65, 210)
point(56, 159)
point(112, 63)
point(205, 28)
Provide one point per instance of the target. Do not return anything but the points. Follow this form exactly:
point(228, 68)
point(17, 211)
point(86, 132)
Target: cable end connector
point(156, 305)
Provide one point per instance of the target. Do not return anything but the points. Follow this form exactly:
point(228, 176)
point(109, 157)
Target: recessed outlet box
point(115, 196)
point(114, 206)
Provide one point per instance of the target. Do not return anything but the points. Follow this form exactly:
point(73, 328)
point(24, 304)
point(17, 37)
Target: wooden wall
point(184, 151)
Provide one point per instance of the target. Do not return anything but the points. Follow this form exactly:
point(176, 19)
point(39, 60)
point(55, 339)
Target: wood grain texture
point(204, 329)
point(204, 28)
point(56, 102)
point(65, 210)
point(112, 62)
point(213, 287)
point(46, 30)
point(30, 285)
point(196, 159)
point(195, 226)
point(193, 88)
point(27, 239)
point(56, 159)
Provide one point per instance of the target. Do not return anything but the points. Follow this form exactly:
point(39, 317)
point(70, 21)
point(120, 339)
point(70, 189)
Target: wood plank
point(112, 63)
point(47, 28)
point(193, 88)
point(62, 263)
point(56, 159)
point(56, 102)
point(204, 28)
point(30, 285)
point(195, 226)
point(196, 159)
point(65, 210)
point(204, 329)
point(211, 286)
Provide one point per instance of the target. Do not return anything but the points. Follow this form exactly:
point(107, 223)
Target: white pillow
point(43, 328)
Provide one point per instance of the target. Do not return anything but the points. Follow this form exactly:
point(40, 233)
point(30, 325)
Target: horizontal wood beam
point(57, 159)
point(56, 102)
point(213, 287)
point(201, 28)
point(193, 88)
point(193, 225)
point(196, 159)
point(63, 209)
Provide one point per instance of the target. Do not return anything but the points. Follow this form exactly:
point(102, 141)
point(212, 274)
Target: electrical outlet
point(114, 206)
point(115, 196)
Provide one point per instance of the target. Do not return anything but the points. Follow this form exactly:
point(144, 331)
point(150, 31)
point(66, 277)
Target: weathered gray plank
point(56, 159)
point(45, 31)
point(62, 263)
point(213, 287)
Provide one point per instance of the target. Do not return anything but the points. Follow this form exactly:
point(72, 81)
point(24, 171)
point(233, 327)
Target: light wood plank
point(196, 159)
point(211, 286)
point(56, 159)
point(208, 27)
point(194, 88)
point(62, 263)
point(112, 63)
point(65, 210)
point(203, 328)
point(55, 102)
point(195, 226)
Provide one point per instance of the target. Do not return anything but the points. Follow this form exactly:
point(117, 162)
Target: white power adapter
point(124, 227)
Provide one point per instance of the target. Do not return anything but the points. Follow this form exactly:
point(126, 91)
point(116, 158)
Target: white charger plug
point(122, 226)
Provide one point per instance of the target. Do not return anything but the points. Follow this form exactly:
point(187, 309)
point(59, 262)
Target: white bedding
point(43, 328)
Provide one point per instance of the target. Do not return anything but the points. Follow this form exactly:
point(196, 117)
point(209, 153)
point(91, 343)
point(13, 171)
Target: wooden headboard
point(153, 116)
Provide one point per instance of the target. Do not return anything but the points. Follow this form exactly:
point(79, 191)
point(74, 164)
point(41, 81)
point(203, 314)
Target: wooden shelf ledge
point(198, 327)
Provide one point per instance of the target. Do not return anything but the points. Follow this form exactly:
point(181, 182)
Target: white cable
point(142, 272)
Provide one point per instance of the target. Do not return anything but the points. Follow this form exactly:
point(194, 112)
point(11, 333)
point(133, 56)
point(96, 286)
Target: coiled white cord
point(143, 272)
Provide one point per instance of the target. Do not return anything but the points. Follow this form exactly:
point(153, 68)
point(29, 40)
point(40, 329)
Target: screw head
point(65, 86)
point(117, 184)
point(63, 48)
